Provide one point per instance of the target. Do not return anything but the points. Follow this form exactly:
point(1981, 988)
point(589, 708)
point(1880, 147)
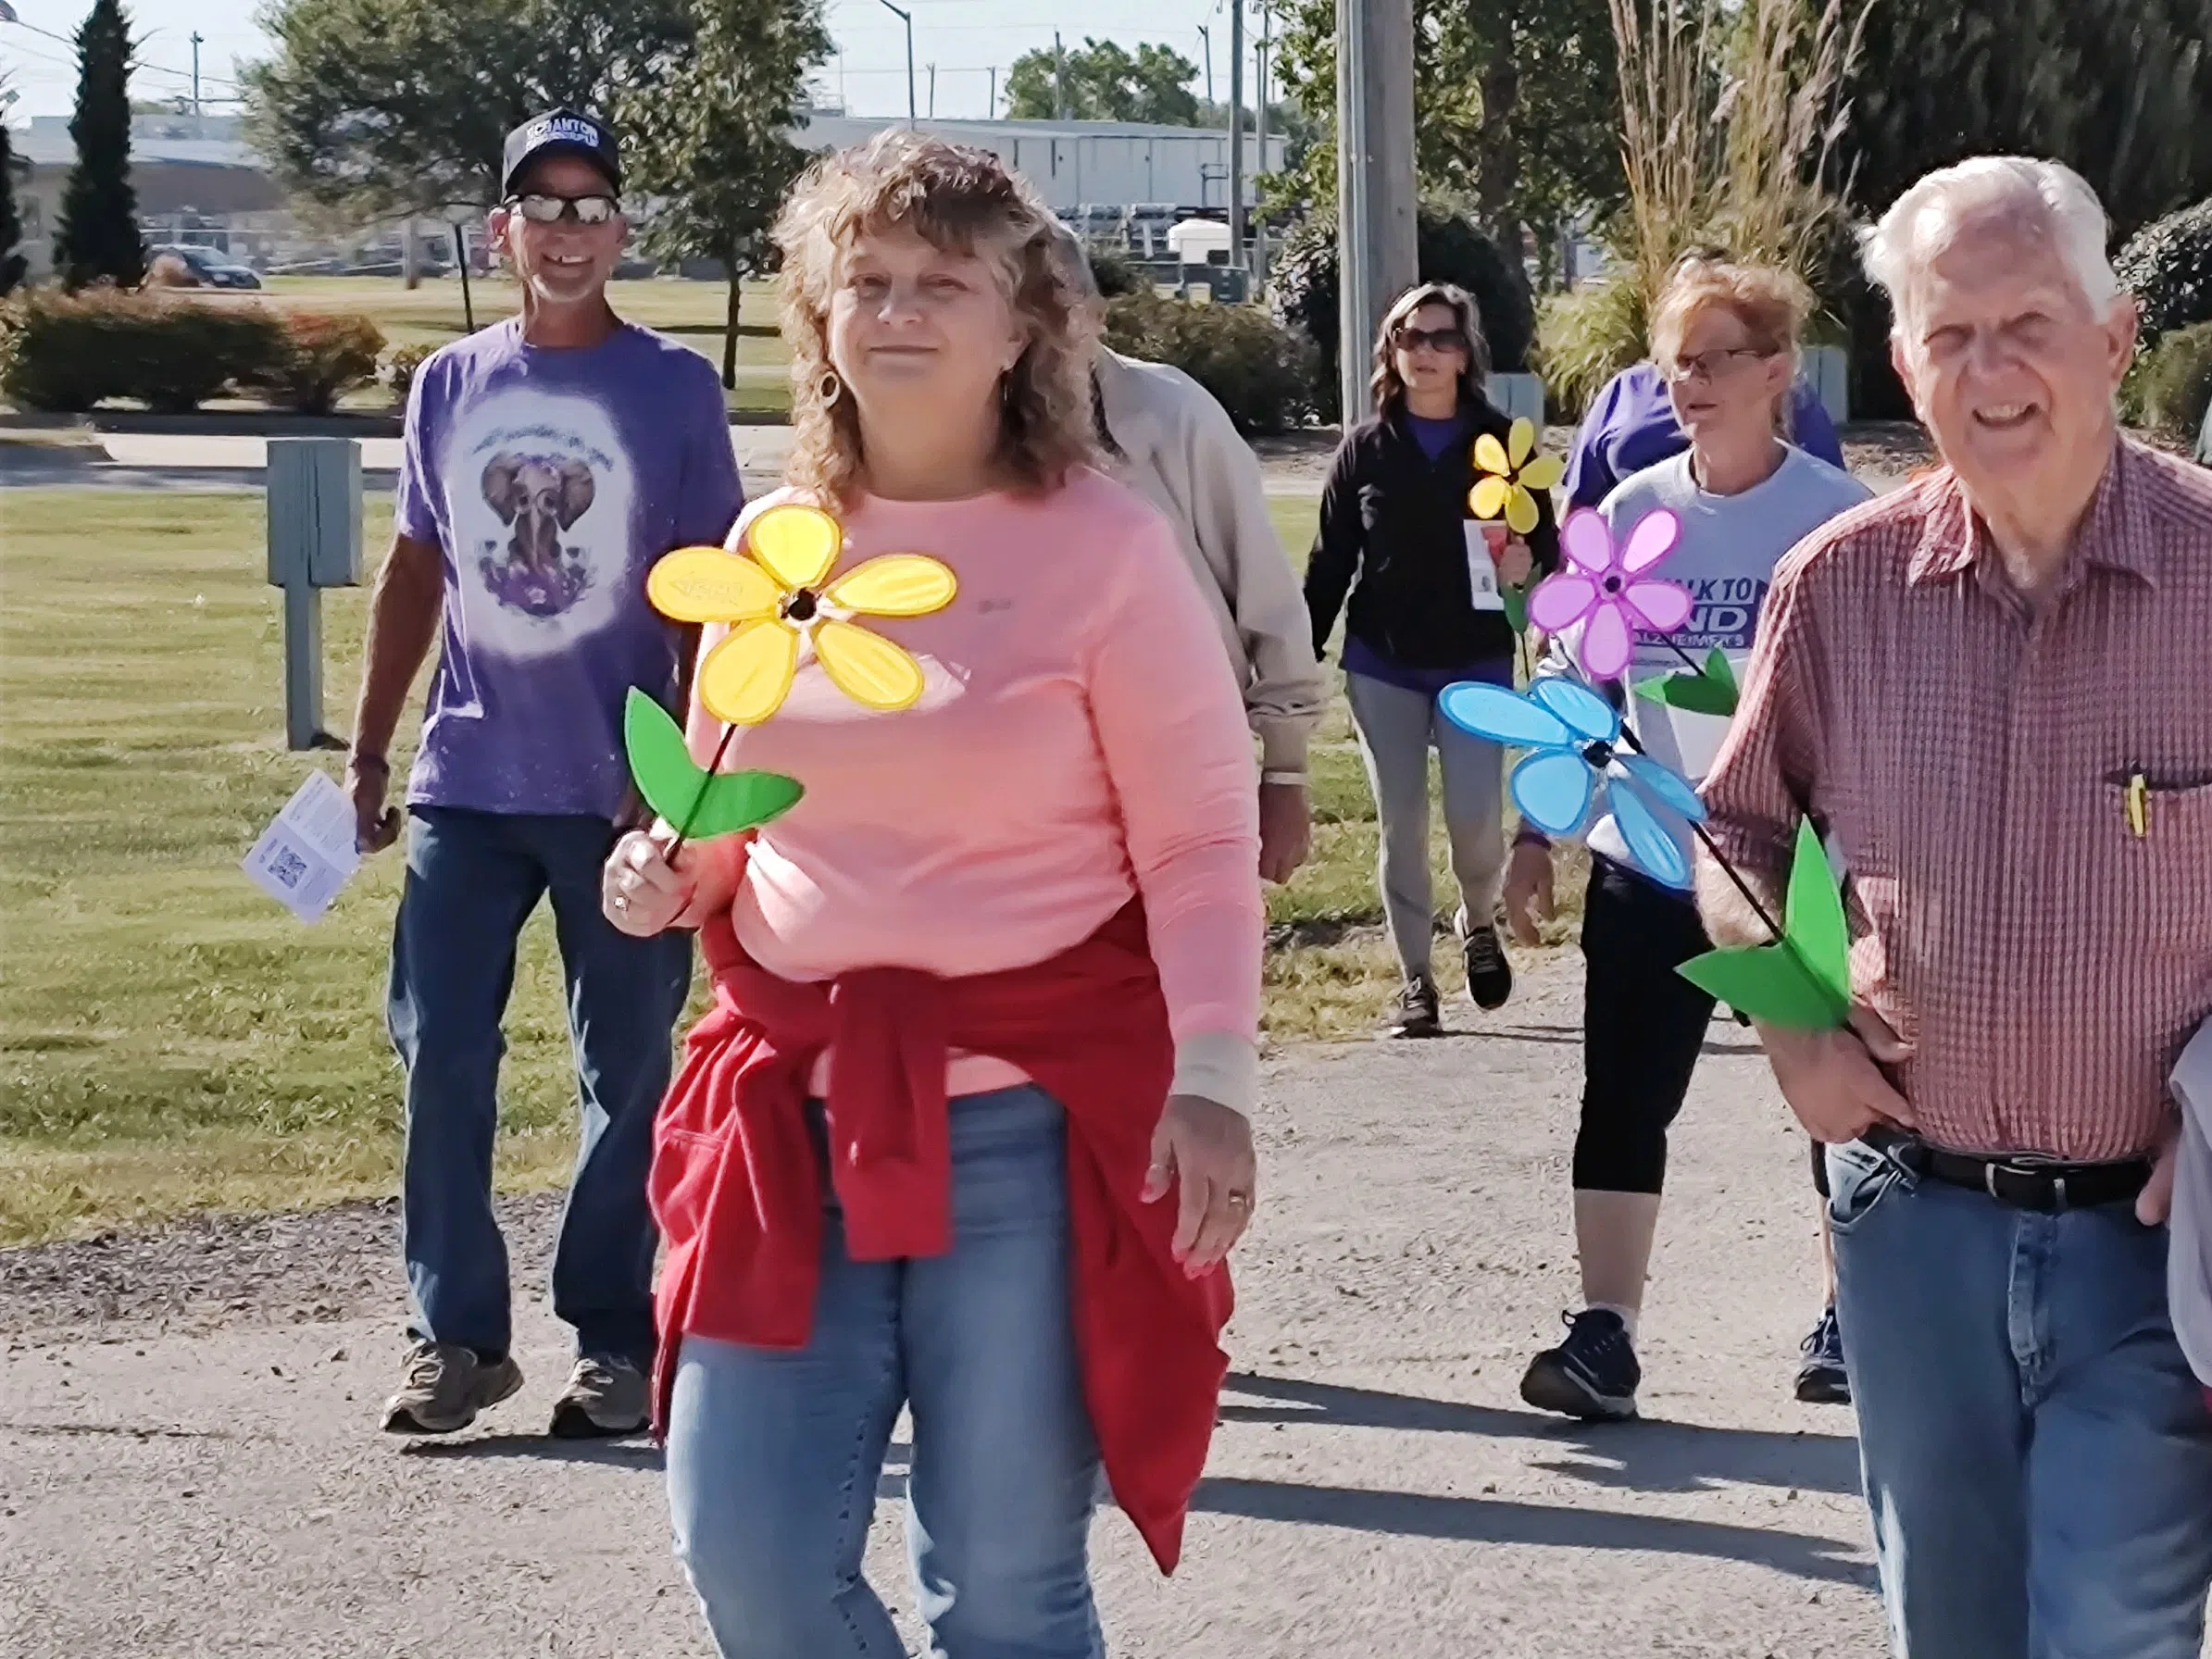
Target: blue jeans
point(774, 1455)
point(473, 877)
point(2037, 1456)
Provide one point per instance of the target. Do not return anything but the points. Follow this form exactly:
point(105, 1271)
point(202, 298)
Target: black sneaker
point(1821, 1380)
point(1489, 975)
point(1414, 1013)
point(1593, 1375)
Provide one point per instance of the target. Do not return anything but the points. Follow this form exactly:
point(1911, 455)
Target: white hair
point(2047, 198)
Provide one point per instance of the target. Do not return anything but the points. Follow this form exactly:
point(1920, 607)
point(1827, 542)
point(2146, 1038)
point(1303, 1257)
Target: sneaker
point(1593, 1375)
point(605, 1398)
point(1414, 1013)
point(1488, 974)
point(446, 1385)
point(1821, 1380)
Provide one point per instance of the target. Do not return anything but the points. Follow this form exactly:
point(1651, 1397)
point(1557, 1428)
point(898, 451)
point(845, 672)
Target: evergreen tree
point(97, 238)
point(12, 263)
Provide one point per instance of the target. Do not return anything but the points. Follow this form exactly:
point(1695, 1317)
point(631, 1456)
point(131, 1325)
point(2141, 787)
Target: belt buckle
point(2027, 1167)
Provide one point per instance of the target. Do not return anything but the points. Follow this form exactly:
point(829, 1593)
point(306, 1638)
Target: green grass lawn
point(693, 312)
point(170, 1039)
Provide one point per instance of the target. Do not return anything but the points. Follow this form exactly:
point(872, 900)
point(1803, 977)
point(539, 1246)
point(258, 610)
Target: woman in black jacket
point(1397, 533)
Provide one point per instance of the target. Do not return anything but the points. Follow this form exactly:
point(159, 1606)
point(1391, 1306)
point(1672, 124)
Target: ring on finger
point(1239, 1201)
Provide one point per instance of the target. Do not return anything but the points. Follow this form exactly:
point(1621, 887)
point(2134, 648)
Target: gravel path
point(191, 1467)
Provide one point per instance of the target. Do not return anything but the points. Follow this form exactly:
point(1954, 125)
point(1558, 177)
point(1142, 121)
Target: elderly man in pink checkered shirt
point(1990, 690)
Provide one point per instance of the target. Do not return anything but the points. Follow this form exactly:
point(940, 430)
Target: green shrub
point(1257, 371)
point(318, 359)
point(2167, 267)
point(1302, 280)
point(1587, 336)
point(2172, 382)
point(1115, 273)
point(399, 369)
point(72, 352)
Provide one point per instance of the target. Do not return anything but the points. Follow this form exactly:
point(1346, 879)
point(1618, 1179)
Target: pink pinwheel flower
point(1600, 589)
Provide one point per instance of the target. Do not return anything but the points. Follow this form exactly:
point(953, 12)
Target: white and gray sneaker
point(445, 1386)
point(607, 1397)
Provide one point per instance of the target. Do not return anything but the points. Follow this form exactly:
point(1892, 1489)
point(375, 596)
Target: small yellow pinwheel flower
point(1511, 476)
point(777, 609)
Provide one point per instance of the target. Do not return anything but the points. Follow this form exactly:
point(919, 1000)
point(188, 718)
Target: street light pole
point(907, 18)
point(1206, 39)
point(197, 40)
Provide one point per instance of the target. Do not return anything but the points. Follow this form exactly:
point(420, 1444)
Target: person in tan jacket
point(1171, 442)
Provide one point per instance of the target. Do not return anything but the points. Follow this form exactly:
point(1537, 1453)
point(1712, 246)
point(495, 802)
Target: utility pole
point(1236, 134)
point(198, 40)
point(1206, 39)
point(990, 110)
point(907, 18)
point(1059, 78)
point(933, 91)
point(1374, 179)
point(1259, 132)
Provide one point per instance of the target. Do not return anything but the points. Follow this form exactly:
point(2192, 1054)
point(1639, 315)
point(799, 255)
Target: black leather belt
point(2021, 1180)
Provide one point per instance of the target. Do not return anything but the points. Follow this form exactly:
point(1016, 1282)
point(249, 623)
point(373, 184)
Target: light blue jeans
point(2037, 1456)
point(774, 1456)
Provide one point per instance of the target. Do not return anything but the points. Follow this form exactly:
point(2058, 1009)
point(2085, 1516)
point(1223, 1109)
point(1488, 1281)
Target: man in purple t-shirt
point(549, 460)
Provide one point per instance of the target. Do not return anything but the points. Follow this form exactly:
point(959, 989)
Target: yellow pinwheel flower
point(1511, 476)
point(777, 609)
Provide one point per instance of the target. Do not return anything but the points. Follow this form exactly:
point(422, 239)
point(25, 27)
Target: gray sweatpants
point(1396, 729)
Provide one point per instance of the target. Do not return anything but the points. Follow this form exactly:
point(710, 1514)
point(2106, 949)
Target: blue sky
point(965, 38)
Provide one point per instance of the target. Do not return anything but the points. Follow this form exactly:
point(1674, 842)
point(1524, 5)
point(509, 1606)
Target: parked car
point(208, 267)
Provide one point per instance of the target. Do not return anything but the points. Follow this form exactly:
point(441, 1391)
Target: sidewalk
point(193, 1465)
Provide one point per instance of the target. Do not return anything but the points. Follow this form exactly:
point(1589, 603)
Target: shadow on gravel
point(1644, 1455)
point(541, 1448)
point(1503, 1521)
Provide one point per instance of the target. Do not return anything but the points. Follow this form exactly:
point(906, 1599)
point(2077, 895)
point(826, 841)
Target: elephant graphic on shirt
point(540, 497)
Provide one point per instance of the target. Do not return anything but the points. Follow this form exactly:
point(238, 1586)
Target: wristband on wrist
point(358, 760)
point(1292, 780)
point(1526, 836)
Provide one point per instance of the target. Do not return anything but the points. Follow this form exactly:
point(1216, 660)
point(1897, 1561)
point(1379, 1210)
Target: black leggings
point(1642, 1028)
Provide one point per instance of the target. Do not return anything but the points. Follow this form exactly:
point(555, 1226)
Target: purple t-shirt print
point(550, 480)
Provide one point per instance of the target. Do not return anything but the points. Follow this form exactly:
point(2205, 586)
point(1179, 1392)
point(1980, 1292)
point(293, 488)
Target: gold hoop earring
point(828, 389)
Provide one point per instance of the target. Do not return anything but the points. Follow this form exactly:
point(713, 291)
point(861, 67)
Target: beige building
point(196, 182)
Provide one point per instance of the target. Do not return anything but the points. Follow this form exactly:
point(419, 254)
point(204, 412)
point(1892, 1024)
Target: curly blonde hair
point(962, 200)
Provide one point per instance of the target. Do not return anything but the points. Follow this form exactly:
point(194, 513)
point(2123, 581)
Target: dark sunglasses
point(1442, 340)
point(546, 210)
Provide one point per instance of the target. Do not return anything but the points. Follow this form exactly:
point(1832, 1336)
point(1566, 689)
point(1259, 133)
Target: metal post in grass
point(314, 543)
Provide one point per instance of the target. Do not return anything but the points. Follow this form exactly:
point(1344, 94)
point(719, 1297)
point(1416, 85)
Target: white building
point(1075, 163)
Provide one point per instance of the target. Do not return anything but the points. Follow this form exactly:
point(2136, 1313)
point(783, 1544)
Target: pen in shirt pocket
point(2137, 803)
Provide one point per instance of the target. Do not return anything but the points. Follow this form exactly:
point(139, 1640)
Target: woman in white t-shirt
point(1725, 337)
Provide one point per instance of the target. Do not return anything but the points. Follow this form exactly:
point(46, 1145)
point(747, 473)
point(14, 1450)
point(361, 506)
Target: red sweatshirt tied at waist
point(736, 1187)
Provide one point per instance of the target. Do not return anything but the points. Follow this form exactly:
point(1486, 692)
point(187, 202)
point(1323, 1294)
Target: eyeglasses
point(1436, 340)
point(1712, 365)
point(546, 210)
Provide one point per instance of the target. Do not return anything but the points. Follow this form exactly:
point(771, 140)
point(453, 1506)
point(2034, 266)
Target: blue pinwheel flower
point(1576, 737)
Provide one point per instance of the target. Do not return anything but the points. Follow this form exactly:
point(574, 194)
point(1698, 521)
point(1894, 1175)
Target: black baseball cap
point(561, 133)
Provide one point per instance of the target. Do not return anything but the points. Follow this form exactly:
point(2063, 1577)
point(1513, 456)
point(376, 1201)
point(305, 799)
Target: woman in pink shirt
point(1034, 893)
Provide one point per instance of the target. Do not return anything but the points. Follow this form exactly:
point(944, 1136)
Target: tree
point(1515, 109)
point(1102, 82)
point(97, 237)
point(711, 145)
point(380, 107)
point(2116, 89)
point(12, 263)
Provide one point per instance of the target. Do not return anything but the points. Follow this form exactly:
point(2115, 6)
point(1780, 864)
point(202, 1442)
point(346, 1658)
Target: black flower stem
point(1720, 858)
point(683, 831)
